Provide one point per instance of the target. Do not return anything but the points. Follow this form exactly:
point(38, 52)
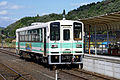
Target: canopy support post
point(89, 39)
point(95, 42)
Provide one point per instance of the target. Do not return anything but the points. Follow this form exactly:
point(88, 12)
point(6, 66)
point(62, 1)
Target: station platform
point(109, 58)
point(105, 65)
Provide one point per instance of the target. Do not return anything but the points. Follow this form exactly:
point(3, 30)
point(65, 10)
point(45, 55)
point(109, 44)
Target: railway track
point(73, 74)
point(93, 74)
point(2, 77)
point(78, 74)
point(85, 75)
point(20, 76)
point(8, 73)
point(8, 52)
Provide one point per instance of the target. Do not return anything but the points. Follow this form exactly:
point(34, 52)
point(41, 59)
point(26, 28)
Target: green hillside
point(1, 28)
point(94, 9)
point(26, 21)
point(85, 11)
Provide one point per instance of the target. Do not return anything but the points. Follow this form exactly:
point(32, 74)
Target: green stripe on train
point(33, 50)
point(65, 45)
point(49, 45)
point(49, 51)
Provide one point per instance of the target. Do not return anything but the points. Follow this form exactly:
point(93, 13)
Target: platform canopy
point(105, 22)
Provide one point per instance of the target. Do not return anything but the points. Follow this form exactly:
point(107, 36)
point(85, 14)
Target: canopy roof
point(104, 22)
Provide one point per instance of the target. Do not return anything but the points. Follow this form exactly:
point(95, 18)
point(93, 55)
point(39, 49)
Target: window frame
point(64, 35)
point(74, 31)
point(58, 23)
point(28, 35)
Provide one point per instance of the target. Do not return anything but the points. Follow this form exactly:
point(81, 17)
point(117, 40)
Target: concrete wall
point(109, 66)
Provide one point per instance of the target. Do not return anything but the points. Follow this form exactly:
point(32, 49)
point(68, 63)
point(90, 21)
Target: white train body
point(55, 42)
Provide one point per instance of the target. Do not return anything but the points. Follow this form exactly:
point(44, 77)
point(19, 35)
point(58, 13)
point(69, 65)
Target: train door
point(44, 41)
point(67, 39)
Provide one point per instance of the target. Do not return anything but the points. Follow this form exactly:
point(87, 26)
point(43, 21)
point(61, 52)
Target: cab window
point(77, 31)
point(55, 31)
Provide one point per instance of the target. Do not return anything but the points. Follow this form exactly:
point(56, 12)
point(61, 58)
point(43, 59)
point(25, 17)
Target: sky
point(13, 10)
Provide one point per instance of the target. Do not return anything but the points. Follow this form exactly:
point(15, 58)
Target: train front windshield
point(55, 31)
point(77, 31)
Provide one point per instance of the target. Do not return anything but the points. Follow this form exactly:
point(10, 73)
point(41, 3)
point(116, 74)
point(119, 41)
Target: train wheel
point(81, 66)
point(21, 54)
point(75, 66)
point(37, 59)
point(52, 67)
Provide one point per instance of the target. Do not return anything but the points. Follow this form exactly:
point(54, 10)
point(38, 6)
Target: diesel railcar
point(54, 42)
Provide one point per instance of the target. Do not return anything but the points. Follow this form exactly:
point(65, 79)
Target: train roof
point(65, 21)
point(37, 25)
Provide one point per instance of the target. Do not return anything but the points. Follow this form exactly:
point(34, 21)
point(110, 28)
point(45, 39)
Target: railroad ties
point(8, 73)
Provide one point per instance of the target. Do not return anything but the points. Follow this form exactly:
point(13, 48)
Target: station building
point(102, 37)
point(102, 34)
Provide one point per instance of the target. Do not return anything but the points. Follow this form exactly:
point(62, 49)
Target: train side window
point(37, 35)
point(22, 35)
point(40, 34)
point(66, 34)
point(26, 36)
point(33, 37)
point(29, 34)
point(29, 37)
point(20, 38)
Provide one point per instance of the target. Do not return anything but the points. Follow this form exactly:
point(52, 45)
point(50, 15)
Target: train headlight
point(78, 46)
point(56, 57)
point(54, 46)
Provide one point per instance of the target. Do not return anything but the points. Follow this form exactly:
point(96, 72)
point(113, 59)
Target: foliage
point(85, 11)
point(95, 9)
point(9, 40)
point(26, 21)
point(1, 28)
point(0, 39)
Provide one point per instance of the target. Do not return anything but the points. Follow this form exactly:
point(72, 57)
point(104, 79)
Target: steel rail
point(93, 74)
point(3, 77)
point(89, 73)
point(6, 51)
point(19, 75)
point(74, 75)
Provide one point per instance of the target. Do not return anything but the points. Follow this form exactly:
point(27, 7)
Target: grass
point(10, 45)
